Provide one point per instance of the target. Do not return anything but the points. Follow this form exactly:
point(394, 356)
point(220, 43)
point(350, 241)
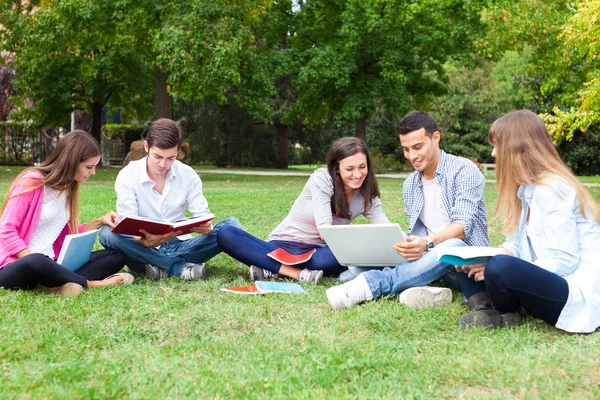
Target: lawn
point(179, 339)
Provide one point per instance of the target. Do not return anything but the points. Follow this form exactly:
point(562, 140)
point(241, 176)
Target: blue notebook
point(278, 287)
point(466, 255)
point(76, 249)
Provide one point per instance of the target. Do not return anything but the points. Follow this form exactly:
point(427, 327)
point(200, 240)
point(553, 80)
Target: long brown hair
point(525, 155)
point(58, 171)
point(340, 149)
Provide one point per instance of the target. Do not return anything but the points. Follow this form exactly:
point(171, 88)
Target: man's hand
point(475, 270)
point(149, 240)
point(205, 229)
point(413, 248)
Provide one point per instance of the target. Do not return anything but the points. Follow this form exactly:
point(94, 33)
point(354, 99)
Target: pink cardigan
point(19, 220)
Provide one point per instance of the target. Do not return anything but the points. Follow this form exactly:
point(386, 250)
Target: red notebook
point(284, 257)
point(242, 290)
point(132, 225)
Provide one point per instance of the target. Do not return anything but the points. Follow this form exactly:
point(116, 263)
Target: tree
point(80, 54)
point(357, 56)
point(565, 49)
point(476, 98)
point(6, 88)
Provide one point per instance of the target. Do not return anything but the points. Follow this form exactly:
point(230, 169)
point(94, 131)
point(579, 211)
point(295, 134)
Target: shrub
point(124, 132)
point(19, 142)
point(582, 154)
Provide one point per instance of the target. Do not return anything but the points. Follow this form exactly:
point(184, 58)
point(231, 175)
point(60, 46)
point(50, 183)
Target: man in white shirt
point(160, 187)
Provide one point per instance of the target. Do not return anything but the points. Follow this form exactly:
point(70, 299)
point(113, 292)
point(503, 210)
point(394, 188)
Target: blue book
point(278, 287)
point(466, 255)
point(76, 249)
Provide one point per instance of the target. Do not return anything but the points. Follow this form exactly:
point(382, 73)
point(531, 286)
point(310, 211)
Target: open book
point(132, 225)
point(282, 256)
point(466, 255)
point(262, 287)
point(76, 249)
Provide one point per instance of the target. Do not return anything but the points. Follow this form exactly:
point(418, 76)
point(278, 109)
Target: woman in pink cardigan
point(40, 209)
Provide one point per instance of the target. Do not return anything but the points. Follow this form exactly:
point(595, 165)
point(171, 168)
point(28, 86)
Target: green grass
point(178, 339)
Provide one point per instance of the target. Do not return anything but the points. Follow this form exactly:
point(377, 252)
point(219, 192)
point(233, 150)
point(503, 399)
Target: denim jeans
point(171, 255)
point(393, 280)
point(511, 282)
point(250, 250)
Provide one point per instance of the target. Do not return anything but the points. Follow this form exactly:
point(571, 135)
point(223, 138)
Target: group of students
point(550, 270)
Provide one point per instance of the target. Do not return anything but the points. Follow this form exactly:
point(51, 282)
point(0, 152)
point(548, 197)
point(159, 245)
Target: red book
point(132, 225)
point(286, 258)
point(242, 290)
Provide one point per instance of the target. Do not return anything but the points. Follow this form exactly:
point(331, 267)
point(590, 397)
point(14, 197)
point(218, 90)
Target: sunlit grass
point(178, 339)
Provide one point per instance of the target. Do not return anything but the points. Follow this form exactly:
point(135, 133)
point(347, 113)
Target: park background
point(262, 84)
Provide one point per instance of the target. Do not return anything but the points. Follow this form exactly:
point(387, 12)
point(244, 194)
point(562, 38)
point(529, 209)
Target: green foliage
point(563, 36)
point(77, 54)
point(206, 48)
point(476, 98)
point(582, 151)
point(357, 57)
point(117, 131)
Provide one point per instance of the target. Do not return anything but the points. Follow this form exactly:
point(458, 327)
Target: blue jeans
point(391, 281)
point(511, 282)
point(250, 250)
point(171, 255)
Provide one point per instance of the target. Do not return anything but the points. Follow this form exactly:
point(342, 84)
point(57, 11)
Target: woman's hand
point(324, 224)
point(474, 270)
point(111, 219)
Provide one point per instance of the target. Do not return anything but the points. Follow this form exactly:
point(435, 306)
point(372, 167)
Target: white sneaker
point(349, 294)
point(425, 296)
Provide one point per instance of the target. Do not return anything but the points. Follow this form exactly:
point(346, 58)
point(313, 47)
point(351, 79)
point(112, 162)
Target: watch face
point(430, 244)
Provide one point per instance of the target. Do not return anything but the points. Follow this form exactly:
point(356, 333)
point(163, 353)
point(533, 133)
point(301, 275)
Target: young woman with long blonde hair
point(40, 209)
point(551, 269)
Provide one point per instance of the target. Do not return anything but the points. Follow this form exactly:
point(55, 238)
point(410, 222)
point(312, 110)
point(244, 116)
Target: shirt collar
point(525, 192)
point(144, 177)
point(441, 167)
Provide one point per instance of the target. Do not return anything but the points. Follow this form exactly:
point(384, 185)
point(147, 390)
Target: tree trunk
point(96, 121)
point(283, 146)
point(361, 126)
point(222, 152)
point(163, 102)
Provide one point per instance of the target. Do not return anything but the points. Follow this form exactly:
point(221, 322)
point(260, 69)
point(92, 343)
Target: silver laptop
point(369, 245)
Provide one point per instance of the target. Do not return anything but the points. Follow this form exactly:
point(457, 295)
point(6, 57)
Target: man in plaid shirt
point(444, 206)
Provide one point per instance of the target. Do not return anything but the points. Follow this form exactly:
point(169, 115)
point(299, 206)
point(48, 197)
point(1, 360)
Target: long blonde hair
point(58, 171)
point(525, 155)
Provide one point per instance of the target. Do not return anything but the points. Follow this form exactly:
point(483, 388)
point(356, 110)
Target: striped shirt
point(462, 196)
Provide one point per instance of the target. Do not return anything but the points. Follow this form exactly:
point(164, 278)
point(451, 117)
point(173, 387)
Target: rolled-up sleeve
point(320, 187)
point(469, 185)
point(559, 228)
point(127, 204)
point(196, 202)
point(512, 244)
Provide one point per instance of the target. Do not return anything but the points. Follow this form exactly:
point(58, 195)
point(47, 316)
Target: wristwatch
point(430, 243)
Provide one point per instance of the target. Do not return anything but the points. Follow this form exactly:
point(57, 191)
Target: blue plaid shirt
point(462, 188)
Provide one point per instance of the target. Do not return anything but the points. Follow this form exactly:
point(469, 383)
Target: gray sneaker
point(194, 272)
point(310, 275)
point(259, 274)
point(154, 273)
